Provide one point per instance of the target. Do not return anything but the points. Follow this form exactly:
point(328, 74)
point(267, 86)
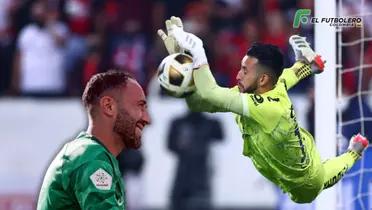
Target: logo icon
point(301, 17)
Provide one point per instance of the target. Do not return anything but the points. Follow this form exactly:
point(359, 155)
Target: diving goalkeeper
point(279, 148)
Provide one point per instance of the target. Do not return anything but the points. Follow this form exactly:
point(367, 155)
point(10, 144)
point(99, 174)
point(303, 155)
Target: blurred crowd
point(52, 47)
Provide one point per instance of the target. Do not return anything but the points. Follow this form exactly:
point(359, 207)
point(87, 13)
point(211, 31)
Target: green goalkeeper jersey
point(83, 175)
point(279, 149)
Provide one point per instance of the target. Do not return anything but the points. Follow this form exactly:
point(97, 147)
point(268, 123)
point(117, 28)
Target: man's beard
point(125, 127)
point(252, 88)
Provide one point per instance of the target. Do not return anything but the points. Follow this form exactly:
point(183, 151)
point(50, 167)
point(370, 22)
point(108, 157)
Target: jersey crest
point(101, 179)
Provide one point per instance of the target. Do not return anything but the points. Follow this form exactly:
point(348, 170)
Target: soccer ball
point(175, 75)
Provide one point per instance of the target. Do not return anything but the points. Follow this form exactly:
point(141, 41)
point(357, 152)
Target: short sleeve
point(95, 186)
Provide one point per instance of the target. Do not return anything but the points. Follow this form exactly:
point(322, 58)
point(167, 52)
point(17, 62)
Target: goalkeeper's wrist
point(203, 66)
point(199, 59)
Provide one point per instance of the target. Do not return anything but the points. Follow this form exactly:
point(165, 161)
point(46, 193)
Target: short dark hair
point(269, 56)
point(102, 82)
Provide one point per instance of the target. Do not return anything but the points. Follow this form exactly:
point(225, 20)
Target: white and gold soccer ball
point(175, 75)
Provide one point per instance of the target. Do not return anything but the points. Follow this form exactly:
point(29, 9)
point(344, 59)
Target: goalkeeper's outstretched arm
point(197, 104)
point(213, 98)
point(293, 75)
point(308, 62)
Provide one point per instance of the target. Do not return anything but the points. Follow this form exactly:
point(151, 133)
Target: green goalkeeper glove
point(168, 39)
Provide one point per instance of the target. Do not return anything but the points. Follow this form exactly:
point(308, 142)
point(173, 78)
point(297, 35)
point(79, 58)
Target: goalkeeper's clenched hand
point(177, 41)
point(191, 43)
point(303, 52)
point(168, 39)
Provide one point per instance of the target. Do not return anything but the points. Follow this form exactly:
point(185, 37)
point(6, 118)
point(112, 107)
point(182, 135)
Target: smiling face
point(247, 77)
point(132, 115)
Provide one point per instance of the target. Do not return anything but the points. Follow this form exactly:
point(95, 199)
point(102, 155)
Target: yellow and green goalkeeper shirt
point(280, 150)
point(83, 175)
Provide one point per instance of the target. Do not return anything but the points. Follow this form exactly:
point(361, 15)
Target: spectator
point(189, 139)
point(128, 49)
point(38, 66)
point(118, 33)
point(79, 20)
point(276, 30)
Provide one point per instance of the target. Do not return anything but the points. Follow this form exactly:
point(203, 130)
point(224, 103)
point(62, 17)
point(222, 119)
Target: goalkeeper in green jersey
point(85, 173)
point(280, 150)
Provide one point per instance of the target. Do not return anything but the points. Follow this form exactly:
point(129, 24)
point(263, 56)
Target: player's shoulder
point(281, 88)
point(267, 108)
point(273, 99)
point(84, 149)
point(29, 30)
point(27, 33)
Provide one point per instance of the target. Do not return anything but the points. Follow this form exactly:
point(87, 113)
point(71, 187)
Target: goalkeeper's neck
point(263, 88)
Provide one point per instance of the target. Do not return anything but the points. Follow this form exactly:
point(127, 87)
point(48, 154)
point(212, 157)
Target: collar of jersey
point(84, 134)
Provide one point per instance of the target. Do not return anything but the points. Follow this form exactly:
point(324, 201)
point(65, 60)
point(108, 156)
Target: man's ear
point(264, 79)
point(108, 106)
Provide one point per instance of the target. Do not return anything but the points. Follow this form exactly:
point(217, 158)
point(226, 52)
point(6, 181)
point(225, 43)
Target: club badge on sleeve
point(101, 179)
